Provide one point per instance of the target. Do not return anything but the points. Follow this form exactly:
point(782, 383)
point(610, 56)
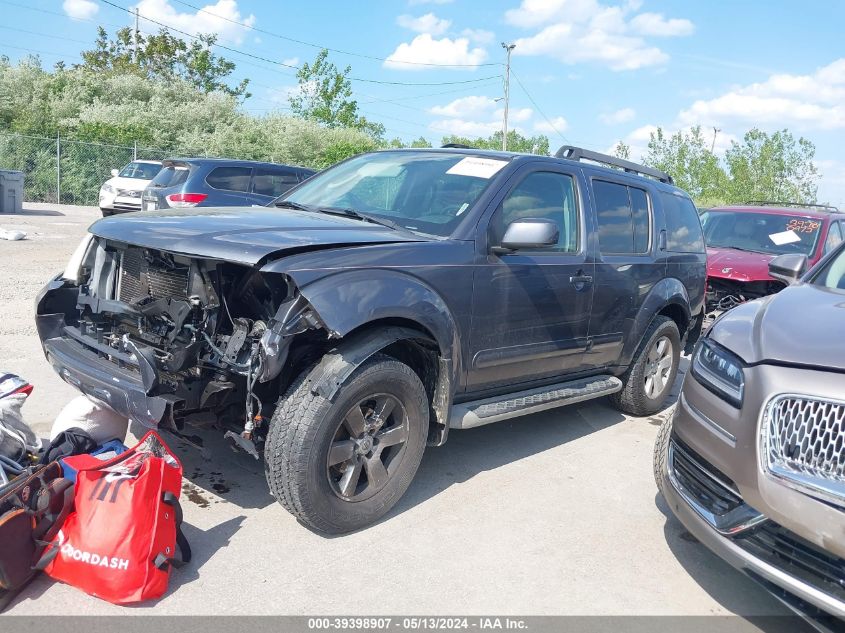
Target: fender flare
point(666, 292)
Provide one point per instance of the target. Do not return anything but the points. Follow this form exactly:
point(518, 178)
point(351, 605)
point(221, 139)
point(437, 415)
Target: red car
point(742, 240)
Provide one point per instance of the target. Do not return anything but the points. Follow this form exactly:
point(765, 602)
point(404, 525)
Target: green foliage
point(622, 150)
point(516, 142)
point(772, 167)
point(163, 56)
point(325, 96)
point(761, 167)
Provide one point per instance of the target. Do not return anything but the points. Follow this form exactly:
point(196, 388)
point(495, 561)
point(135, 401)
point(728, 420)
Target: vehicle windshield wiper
point(352, 213)
point(740, 248)
point(289, 204)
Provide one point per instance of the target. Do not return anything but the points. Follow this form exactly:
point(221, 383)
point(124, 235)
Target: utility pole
point(713, 144)
point(135, 38)
point(508, 48)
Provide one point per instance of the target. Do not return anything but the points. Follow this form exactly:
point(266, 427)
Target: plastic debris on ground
point(12, 236)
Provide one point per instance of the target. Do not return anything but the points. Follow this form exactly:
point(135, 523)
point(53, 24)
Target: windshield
point(171, 176)
point(428, 192)
point(761, 232)
point(141, 171)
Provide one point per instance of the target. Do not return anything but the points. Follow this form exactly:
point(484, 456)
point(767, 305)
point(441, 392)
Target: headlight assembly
point(74, 265)
point(107, 189)
point(720, 371)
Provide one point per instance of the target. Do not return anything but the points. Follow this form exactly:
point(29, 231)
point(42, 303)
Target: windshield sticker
point(802, 226)
point(476, 167)
point(787, 237)
point(463, 208)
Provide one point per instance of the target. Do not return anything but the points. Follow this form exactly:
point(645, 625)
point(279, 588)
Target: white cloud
point(656, 25)
point(425, 49)
point(479, 36)
point(620, 116)
point(81, 9)
point(557, 125)
point(214, 18)
point(476, 116)
point(577, 31)
point(291, 61)
point(814, 101)
point(428, 23)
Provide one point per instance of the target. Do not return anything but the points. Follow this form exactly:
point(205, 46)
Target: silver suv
point(753, 461)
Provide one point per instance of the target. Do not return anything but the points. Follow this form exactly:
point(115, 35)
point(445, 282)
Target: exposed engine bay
point(210, 338)
point(724, 294)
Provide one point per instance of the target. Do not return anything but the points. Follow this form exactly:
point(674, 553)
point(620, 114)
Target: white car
point(122, 192)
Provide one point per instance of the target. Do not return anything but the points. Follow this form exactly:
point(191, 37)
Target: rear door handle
point(580, 280)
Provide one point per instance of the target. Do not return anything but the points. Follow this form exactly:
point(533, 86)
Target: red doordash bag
point(120, 541)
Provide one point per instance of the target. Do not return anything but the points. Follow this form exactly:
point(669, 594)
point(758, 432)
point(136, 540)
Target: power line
point(543, 114)
point(38, 52)
point(58, 13)
point(279, 63)
point(328, 48)
point(55, 37)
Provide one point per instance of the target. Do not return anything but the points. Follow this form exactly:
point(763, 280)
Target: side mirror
point(528, 233)
point(788, 267)
point(114, 172)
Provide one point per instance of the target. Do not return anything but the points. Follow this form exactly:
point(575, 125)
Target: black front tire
point(635, 397)
point(661, 453)
point(307, 428)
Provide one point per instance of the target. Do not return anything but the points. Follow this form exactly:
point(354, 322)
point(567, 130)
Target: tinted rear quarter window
point(273, 182)
point(683, 226)
point(623, 218)
point(229, 178)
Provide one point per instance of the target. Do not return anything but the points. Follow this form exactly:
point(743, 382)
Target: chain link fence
point(71, 172)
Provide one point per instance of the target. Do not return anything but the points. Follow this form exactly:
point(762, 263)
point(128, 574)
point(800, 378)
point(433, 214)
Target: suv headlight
point(720, 371)
point(107, 188)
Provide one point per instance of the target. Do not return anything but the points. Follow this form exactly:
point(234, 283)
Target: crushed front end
point(724, 293)
point(169, 340)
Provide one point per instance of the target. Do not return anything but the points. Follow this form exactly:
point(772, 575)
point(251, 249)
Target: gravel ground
point(556, 513)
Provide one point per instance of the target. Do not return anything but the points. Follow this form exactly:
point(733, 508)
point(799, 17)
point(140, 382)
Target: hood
point(245, 235)
point(129, 184)
point(798, 325)
point(729, 263)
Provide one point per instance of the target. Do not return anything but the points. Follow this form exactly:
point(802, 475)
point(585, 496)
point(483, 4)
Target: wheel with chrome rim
point(659, 364)
point(652, 372)
point(340, 464)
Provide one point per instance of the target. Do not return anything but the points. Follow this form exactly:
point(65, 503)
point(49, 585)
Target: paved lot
point(554, 514)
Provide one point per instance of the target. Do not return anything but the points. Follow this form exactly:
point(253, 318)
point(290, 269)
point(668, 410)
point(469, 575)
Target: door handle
point(580, 280)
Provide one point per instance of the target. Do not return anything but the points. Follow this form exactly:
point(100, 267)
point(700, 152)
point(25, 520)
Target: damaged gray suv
point(379, 304)
point(753, 463)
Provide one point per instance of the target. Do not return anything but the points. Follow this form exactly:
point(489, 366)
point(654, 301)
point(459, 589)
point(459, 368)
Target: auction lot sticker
point(476, 167)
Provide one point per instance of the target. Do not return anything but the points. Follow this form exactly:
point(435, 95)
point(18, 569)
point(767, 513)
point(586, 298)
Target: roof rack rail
point(457, 146)
point(797, 205)
point(578, 153)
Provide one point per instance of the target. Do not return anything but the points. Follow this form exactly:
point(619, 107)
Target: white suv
point(122, 192)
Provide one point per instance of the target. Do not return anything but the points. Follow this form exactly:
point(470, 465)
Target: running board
point(479, 412)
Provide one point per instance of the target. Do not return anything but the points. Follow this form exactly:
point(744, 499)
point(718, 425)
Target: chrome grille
point(141, 278)
point(804, 443)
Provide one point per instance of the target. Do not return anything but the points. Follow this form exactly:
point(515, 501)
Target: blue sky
point(591, 71)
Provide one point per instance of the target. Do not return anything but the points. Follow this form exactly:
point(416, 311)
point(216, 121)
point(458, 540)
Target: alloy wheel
point(367, 447)
point(658, 367)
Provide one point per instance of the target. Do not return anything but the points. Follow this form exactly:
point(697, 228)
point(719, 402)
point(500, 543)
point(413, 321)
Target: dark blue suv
point(379, 304)
point(219, 182)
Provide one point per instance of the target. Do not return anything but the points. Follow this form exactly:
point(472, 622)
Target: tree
point(516, 142)
point(622, 150)
point(686, 156)
point(772, 167)
point(164, 56)
point(325, 96)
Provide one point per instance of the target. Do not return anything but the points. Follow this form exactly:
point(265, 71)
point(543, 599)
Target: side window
point(273, 182)
point(623, 218)
point(230, 178)
point(683, 227)
point(545, 195)
point(834, 237)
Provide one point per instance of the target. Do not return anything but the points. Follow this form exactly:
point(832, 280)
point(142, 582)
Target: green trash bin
point(11, 191)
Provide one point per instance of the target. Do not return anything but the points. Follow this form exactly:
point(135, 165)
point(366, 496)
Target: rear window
point(683, 226)
point(170, 176)
point(230, 178)
point(140, 171)
point(623, 218)
point(273, 182)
